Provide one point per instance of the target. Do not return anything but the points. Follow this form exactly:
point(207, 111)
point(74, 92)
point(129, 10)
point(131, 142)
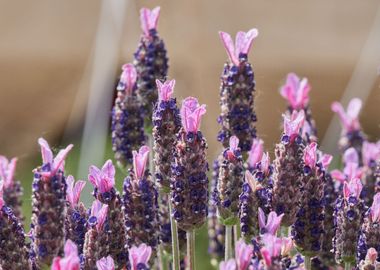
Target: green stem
point(228, 243)
point(347, 266)
point(236, 232)
point(162, 260)
point(175, 247)
point(307, 263)
point(284, 232)
point(190, 237)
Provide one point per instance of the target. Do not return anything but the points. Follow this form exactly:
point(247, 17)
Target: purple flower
point(139, 256)
point(149, 19)
point(165, 90)
point(103, 179)
point(375, 209)
point(7, 171)
point(349, 118)
point(351, 168)
point(272, 224)
point(228, 265)
point(98, 215)
point(370, 152)
point(296, 91)
point(140, 159)
point(293, 124)
point(352, 188)
point(71, 260)
point(243, 254)
point(256, 153)
point(271, 249)
point(371, 255)
point(105, 263)
point(2, 203)
point(127, 80)
point(191, 113)
point(73, 190)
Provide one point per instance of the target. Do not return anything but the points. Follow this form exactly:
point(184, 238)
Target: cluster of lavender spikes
point(291, 213)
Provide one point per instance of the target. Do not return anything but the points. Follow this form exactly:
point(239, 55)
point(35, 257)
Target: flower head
point(242, 45)
point(228, 265)
point(371, 152)
point(375, 208)
point(71, 260)
point(104, 178)
point(165, 90)
point(234, 146)
point(149, 19)
point(7, 170)
point(139, 255)
point(272, 224)
point(52, 165)
point(140, 159)
point(127, 79)
point(105, 263)
point(310, 155)
point(293, 124)
point(349, 118)
point(252, 182)
point(296, 91)
point(256, 152)
point(98, 214)
point(371, 255)
point(243, 254)
point(73, 190)
point(353, 188)
point(271, 249)
point(191, 113)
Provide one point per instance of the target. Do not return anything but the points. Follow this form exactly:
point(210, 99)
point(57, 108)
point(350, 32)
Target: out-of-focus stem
point(347, 266)
point(175, 247)
point(190, 235)
point(307, 263)
point(228, 243)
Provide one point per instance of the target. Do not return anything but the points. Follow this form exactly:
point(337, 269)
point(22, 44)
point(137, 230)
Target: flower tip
point(105, 263)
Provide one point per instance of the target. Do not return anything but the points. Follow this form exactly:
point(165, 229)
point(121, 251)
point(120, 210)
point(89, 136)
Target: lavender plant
point(370, 154)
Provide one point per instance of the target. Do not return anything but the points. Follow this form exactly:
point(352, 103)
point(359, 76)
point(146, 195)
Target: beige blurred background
point(55, 54)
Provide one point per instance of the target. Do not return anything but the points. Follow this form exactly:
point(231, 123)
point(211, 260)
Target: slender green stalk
point(307, 263)
point(237, 232)
point(190, 235)
point(161, 257)
point(175, 247)
point(228, 243)
point(347, 266)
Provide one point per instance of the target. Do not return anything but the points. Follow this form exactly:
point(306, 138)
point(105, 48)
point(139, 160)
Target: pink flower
point(264, 164)
point(351, 169)
point(243, 44)
point(70, 261)
point(139, 255)
point(127, 79)
point(371, 256)
point(375, 208)
point(149, 19)
point(325, 160)
point(353, 188)
point(371, 152)
point(7, 170)
point(139, 161)
point(73, 190)
point(53, 165)
point(99, 211)
point(256, 152)
point(234, 145)
point(272, 248)
point(272, 224)
point(105, 263)
point(350, 118)
point(310, 155)
point(286, 246)
point(296, 91)
point(252, 182)
point(165, 90)
point(228, 265)
point(1, 194)
point(293, 124)
point(104, 178)
point(191, 113)
point(350, 156)
point(243, 254)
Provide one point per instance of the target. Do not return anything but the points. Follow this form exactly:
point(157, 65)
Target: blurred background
point(60, 60)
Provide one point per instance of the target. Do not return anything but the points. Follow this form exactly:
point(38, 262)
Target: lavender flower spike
point(237, 91)
point(49, 205)
point(370, 154)
point(12, 189)
point(230, 183)
point(167, 122)
point(140, 203)
point(352, 135)
point(127, 117)
point(150, 61)
point(96, 243)
point(189, 183)
point(76, 217)
point(308, 229)
point(105, 263)
point(104, 190)
point(13, 252)
point(71, 260)
point(139, 257)
point(275, 252)
point(287, 175)
point(348, 220)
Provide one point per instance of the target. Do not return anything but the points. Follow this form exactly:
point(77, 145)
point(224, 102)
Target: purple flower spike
point(242, 45)
point(7, 171)
point(191, 113)
point(243, 254)
point(353, 188)
point(375, 209)
point(139, 161)
point(73, 190)
point(272, 224)
point(99, 211)
point(271, 249)
point(310, 155)
point(71, 260)
point(370, 152)
point(293, 124)
point(165, 90)
point(127, 79)
point(350, 118)
point(228, 265)
point(149, 19)
point(105, 263)
point(256, 152)
point(47, 157)
point(296, 91)
point(139, 256)
point(104, 178)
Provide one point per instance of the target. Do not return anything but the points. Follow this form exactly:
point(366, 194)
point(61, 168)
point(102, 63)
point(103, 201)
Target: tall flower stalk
point(237, 91)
